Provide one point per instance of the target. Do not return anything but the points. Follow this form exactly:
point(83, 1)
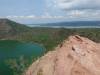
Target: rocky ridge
point(75, 56)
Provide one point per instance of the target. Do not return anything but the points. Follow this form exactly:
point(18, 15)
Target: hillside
point(75, 56)
point(51, 37)
point(9, 28)
point(48, 37)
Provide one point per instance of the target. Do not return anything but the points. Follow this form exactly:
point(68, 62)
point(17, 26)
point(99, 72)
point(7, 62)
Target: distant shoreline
point(65, 26)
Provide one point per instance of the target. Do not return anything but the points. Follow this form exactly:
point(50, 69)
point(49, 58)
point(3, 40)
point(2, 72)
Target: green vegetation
point(17, 66)
point(51, 37)
point(48, 37)
point(10, 28)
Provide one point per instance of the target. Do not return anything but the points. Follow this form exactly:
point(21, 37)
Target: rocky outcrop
point(75, 56)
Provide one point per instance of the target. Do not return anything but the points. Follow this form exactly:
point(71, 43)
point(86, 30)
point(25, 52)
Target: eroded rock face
point(76, 56)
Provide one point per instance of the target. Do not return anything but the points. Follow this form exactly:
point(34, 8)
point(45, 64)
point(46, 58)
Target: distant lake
point(11, 49)
point(69, 24)
point(62, 26)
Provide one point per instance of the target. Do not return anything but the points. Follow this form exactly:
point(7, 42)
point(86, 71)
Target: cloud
point(79, 4)
point(45, 16)
point(21, 17)
point(84, 14)
point(79, 9)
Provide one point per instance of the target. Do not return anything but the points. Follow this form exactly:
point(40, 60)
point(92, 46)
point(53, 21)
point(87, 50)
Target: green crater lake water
point(10, 49)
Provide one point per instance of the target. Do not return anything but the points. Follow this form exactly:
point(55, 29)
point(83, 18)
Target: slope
point(75, 56)
point(9, 28)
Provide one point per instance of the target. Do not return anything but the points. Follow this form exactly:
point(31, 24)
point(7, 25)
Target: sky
point(48, 11)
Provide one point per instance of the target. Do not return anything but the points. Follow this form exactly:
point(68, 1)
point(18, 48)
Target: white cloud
point(89, 9)
point(78, 4)
point(45, 16)
point(84, 14)
point(21, 17)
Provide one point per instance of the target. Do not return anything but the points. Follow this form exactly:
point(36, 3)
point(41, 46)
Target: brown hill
point(4, 26)
point(75, 56)
point(9, 28)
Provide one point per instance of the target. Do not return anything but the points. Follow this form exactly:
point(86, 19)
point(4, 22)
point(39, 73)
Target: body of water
point(69, 24)
point(81, 26)
point(13, 50)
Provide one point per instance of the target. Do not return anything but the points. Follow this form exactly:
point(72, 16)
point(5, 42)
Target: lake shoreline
point(44, 26)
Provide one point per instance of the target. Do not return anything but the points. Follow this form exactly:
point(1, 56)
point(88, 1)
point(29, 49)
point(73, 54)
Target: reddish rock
point(76, 56)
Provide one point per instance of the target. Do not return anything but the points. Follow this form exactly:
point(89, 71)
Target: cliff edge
point(75, 56)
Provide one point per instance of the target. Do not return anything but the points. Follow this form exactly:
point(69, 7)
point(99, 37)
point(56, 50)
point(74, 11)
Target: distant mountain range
point(72, 24)
point(77, 23)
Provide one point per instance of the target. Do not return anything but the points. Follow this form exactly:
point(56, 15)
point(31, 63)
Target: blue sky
point(42, 11)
